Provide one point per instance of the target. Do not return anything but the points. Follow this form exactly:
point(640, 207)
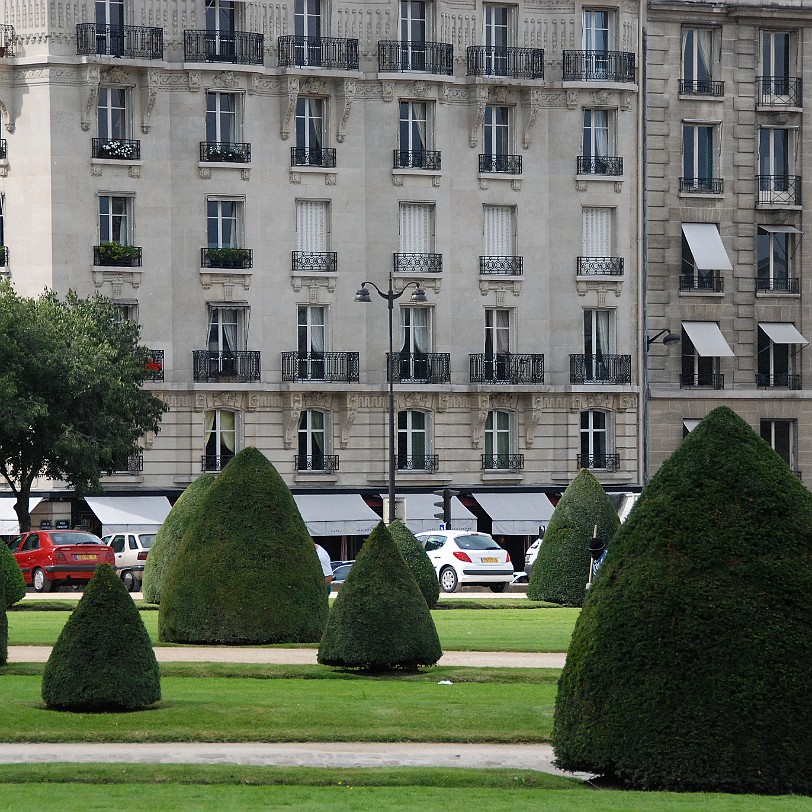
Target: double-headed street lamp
point(418, 296)
point(669, 339)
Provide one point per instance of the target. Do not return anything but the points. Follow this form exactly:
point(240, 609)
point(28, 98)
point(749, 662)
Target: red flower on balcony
point(153, 366)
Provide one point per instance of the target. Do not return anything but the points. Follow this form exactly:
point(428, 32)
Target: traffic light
point(444, 505)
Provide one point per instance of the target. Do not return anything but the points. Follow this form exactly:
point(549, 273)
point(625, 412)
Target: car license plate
point(86, 557)
point(490, 560)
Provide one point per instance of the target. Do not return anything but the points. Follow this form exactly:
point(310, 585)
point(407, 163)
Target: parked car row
point(131, 551)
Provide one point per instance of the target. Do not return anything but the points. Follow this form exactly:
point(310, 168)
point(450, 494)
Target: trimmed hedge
point(561, 570)
point(103, 659)
point(380, 620)
point(3, 616)
point(167, 541)
point(417, 560)
point(246, 571)
point(689, 664)
point(13, 577)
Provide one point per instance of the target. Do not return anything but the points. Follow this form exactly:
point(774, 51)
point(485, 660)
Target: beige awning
point(780, 229)
point(706, 246)
point(782, 333)
point(707, 339)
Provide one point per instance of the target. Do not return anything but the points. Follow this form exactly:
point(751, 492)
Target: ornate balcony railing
point(241, 366)
point(4, 256)
point(225, 151)
point(418, 159)
point(599, 165)
point(119, 149)
point(706, 380)
point(506, 367)
point(3, 148)
point(781, 381)
point(314, 261)
point(328, 463)
point(599, 462)
point(519, 63)
point(598, 66)
point(701, 87)
point(8, 41)
point(155, 365)
point(506, 164)
point(235, 47)
point(599, 266)
point(241, 258)
point(502, 462)
point(424, 57)
point(780, 91)
point(134, 464)
point(325, 367)
point(128, 41)
point(330, 53)
point(789, 285)
point(609, 369)
point(417, 462)
point(323, 157)
point(419, 367)
point(418, 263)
point(215, 462)
point(713, 283)
point(116, 255)
point(779, 190)
point(702, 186)
point(506, 266)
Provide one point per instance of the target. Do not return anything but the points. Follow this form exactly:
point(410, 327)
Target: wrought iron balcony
point(780, 91)
point(702, 186)
point(506, 266)
point(707, 380)
point(314, 261)
point(331, 53)
point(506, 367)
point(119, 149)
point(598, 66)
point(226, 151)
point(134, 464)
point(241, 366)
point(215, 462)
point(600, 368)
point(234, 47)
point(418, 263)
point(519, 63)
point(240, 258)
point(502, 462)
point(128, 41)
point(116, 255)
point(424, 57)
point(325, 158)
point(419, 367)
point(8, 41)
point(701, 87)
point(598, 462)
point(600, 165)
point(781, 381)
point(599, 266)
point(774, 285)
point(3, 148)
point(418, 159)
point(506, 164)
point(328, 463)
point(3, 256)
point(155, 365)
point(710, 283)
point(418, 462)
point(779, 190)
point(325, 367)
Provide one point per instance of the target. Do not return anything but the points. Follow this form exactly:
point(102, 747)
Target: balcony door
point(776, 57)
point(500, 233)
point(596, 232)
point(307, 27)
point(226, 338)
point(498, 440)
point(221, 25)
point(596, 42)
point(697, 44)
point(496, 37)
point(412, 440)
point(698, 153)
point(312, 234)
point(221, 118)
point(774, 361)
point(113, 120)
point(219, 438)
point(110, 27)
point(416, 228)
point(312, 440)
point(311, 340)
point(496, 132)
point(599, 342)
point(774, 251)
point(414, 132)
point(413, 34)
point(596, 136)
point(310, 129)
point(415, 343)
point(774, 158)
point(594, 439)
point(497, 344)
point(223, 223)
point(115, 219)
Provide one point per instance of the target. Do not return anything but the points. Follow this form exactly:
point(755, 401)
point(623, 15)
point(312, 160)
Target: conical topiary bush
point(167, 541)
point(689, 664)
point(417, 560)
point(103, 659)
point(13, 577)
point(246, 571)
point(562, 568)
point(3, 616)
point(380, 620)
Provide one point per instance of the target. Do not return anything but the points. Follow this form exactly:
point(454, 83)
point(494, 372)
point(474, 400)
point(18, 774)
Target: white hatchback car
point(131, 551)
point(463, 557)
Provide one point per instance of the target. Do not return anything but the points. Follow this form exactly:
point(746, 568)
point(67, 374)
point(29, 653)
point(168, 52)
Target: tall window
point(226, 329)
point(222, 122)
point(496, 130)
point(595, 441)
point(780, 434)
point(219, 438)
point(413, 25)
point(500, 231)
point(775, 153)
point(596, 29)
point(774, 362)
point(310, 127)
point(775, 252)
point(307, 18)
point(415, 133)
point(221, 16)
point(113, 119)
point(224, 222)
point(312, 226)
point(497, 344)
point(776, 56)
point(416, 228)
point(497, 26)
point(415, 342)
point(110, 27)
point(698, 370)
point(694, 276)
point(697, 51)
point(125, 311)
point(596, 231)
point(311, 340)
point(597, 134)
point(599, 344)
point(312, 441)
point(498, 439)
point(699, 158)
point(115, 219)
point(413, 441)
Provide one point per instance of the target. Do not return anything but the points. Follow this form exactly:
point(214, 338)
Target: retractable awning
point(419, 509)
point(129, 514)
point(691, 423)
point(706, 246)
point(516, 514)
point(336, 514)
point(771, 229)
point(707, 339)
point(9, 526)
point(782, 333)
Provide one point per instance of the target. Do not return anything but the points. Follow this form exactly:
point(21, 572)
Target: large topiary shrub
point(167, 541)
point(13, 576)
point(103, 659)
point(3, 617)
point(417, 560)
point(246, 571)
point(689, 664)
point(562, 568)
point(380, 620)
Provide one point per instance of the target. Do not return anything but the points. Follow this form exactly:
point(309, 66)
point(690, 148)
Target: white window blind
point(415, 228)
point(596, 232)
point(499, 236)
point(311, 225)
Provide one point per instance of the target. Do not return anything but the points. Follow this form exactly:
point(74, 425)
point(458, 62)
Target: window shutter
point(415, 228)
point(311, 225)
point(499, 231)
point(597, 232)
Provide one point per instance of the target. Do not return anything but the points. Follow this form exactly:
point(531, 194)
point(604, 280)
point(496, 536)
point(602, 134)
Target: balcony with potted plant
point(116, 149)
point(239, 258)
point(117, 255)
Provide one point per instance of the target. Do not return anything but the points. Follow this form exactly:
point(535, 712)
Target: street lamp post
point(669, 339)
point(419, 296)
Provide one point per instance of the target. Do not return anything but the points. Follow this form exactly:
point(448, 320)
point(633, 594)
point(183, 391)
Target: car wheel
point(498, 587)
point(40, 582)
point(448, 579)
point(129, 580)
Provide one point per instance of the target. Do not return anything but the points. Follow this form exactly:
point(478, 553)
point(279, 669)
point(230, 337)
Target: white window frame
point(498, 25)
point(773, 359)
point(504, 243)
point(313, 225)
point(222, 17)
point(217, 218)
point(416, 228)
point(125, 311)
point(497, 130)
point(308, 439)
point(768, 155)
point(413, 440)
point(598, 137)
point(308, 18)
point(109, 230)
point(415, 126)
point(597, 231)
point(227, 329)
point(312, 340)
point(767, 56)
point(414, 21)
point(768, 430)
point(222, 125)
point(224, 423)
point(596, 437)
point(113, 116)
point(692, 56)
point(596, 36)
point(693, 154)
point(499, 438)
point(311, 123)
point(767, 259)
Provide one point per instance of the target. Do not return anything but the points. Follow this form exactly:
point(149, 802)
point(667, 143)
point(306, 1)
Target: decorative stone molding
point(347, 418)
point(8, 120)
point(591, 400)
point(149, 95)
point(127, 276)
point(584, 286)
point(92, 78)
point(135, 170)
point(204, 172)
point(347, 97)
point(328, 281)
point(480, 405)
point(388, 91)
point(220, 400)
point(479, 100)
point(288, 106)
point(532, 409)
point(513, 284)
point(290, 417)
point(194, 80)
point(219, 276)
point(225, 79)
point(532, 105)
point(572, 99)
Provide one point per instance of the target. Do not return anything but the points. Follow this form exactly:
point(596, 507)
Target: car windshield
point(147, 539)
point(74, 538)
point(476, 542)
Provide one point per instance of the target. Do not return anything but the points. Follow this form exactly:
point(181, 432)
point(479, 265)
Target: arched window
point(413, 441)
point(313, 450)
point(219, 438)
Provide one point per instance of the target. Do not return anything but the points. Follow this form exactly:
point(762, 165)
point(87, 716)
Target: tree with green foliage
point(380, 620)
point(167, 541)
point(689, 664)
point(13, 576)
point(417, 560)
point(562, 568)
point(103, 659)
point(3, 616)
point(72, 402)
point(246, 571)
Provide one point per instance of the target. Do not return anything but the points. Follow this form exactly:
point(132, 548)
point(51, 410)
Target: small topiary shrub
point(3, 616)
point(13, 577)
point(689, 664)
point(166, 543)
point(380, 620)
point(562, 568)
point(103, 659)
point(246, 571)
point(417, 560)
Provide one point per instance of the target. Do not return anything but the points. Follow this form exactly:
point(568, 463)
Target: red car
point(50, 558)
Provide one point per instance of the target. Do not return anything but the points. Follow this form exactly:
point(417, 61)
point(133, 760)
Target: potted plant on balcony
point(119, 150)
point(2, 256)
point(227, 257)
point(113, 253)
point(226, 152)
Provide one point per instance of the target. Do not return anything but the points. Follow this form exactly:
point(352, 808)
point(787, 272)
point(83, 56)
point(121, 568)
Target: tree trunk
point(21, 508)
